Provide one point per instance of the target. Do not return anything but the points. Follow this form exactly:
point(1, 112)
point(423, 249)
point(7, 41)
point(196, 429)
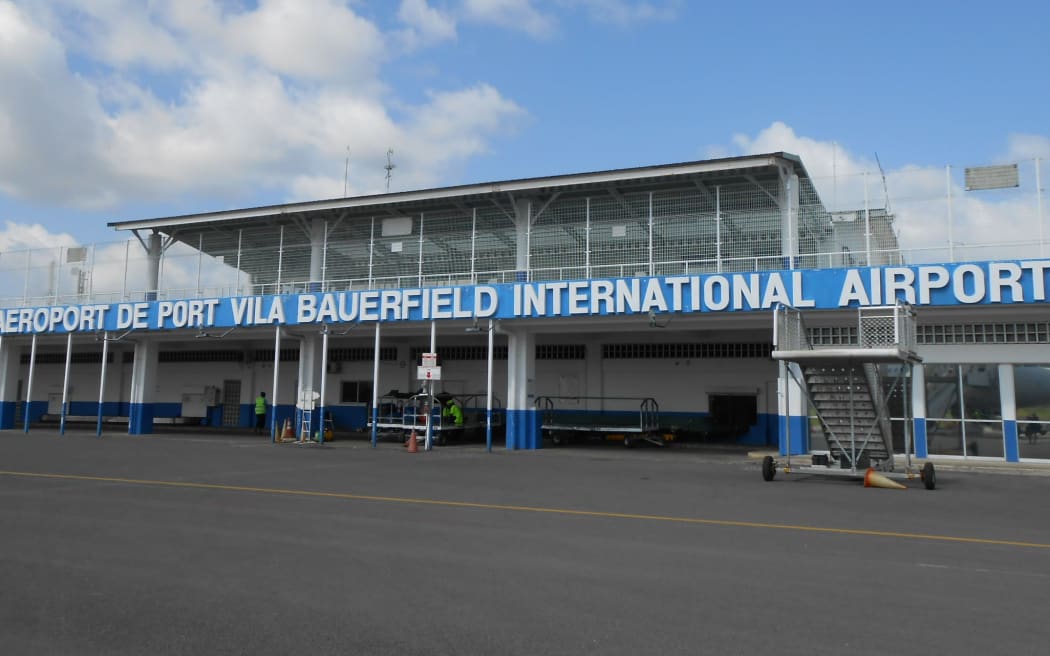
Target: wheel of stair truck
point(628, 441)
point(557, 439)
point(769, 468)
point(929, 476)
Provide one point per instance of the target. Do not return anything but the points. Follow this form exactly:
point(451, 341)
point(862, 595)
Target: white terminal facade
point(642, 297)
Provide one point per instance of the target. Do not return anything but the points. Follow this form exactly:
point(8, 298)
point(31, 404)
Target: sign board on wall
point(982, 283)
point(428, 373)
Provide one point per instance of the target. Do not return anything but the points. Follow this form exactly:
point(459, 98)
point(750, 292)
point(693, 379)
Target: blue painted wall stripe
point(140, 419)
point(1010, 440)
point(7, 414)
point(799, 436)
point(921, 448)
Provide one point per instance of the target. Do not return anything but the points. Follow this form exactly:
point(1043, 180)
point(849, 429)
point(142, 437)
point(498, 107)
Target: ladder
point(844, 384)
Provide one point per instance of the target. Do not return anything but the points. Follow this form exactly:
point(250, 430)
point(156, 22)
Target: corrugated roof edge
point(522, 184)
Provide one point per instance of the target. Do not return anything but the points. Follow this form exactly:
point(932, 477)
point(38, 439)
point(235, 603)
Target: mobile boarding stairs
point(848, 390)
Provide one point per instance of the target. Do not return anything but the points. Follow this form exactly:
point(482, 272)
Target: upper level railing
point(853, 223)
point(878, 327)
point(64, 285)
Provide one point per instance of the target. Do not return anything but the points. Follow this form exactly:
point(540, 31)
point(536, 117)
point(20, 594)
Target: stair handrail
point(881, 404)
point(789, 329)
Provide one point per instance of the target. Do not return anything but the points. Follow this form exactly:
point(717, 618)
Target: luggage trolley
point(401, 413)
point(848, 391)
point(561, 424)
point(474, 408)
point(390, 418)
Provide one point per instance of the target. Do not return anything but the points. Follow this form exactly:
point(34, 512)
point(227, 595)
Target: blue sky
point(126, 109)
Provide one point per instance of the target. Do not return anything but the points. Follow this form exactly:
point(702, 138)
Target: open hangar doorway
point(708, 376)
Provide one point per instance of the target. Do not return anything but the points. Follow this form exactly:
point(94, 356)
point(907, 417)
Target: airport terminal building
point(633, 304)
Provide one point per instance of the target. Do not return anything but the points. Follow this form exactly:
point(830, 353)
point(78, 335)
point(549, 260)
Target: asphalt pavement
point(196, 543)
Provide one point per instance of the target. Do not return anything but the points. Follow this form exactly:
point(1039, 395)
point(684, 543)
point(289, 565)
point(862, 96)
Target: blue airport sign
point(981, 283)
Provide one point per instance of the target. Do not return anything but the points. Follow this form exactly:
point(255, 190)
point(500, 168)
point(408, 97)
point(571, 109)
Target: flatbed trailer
point(400, 414)
point(635, 419)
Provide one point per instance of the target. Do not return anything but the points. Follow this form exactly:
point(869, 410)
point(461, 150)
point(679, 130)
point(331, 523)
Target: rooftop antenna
point(390, 166)
point(885, 188)
point(346, 174)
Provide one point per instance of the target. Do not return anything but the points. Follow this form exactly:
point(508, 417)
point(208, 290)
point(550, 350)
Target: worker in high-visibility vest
point(260, 413)
point(453, 411)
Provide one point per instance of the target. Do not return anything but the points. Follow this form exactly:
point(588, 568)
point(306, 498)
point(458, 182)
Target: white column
point(102, 383)
point(473, 245)
point(65, 384)
point(488, 388)
point(324, 386)
point(652, 272)
point(1008, 402)
point(317, 240)
point(153, 252)
point(276, 379)
point(587, 237)
point(789, 199)
point(523, 231)
point(375, 388)
point(428, 440)
point(718, 228)
point(143, 386)
point(419, 273)
point(792, 407)
point(521, 397)
point(10, 369)
point(29, 384)
point(309, 373)
point(918, 409)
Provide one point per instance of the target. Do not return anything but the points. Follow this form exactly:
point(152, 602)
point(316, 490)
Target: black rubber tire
point(929, 476)
point(769, 469)
point(557, 439)
point(628, 441)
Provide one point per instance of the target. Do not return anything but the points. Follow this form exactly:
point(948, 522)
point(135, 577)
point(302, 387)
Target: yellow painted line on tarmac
point(533, 509)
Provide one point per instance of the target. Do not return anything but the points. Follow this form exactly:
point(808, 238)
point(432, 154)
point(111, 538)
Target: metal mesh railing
point(789, 330)
point(892, 325)
point(845, 220)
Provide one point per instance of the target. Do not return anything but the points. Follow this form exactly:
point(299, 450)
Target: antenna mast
point(390, 166)
point(885, 188)
point(346, 174)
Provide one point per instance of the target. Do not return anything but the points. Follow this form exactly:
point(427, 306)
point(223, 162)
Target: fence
point(912, 216)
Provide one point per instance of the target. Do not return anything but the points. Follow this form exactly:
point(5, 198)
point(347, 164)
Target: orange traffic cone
point(286, 433)
point(873, 478)
point(413, 445)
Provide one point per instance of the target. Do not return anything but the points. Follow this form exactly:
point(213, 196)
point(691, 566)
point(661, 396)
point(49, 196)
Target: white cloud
point(21, 236)
point(513, 14)
point(51, 125)
point(253, 100)
point(1026, 146)
point(626, 13)
point(126, 33)
point(312, 39)
point(926, 202)
point(425, 24)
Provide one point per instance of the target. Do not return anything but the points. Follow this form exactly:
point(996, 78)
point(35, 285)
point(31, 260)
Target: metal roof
point(257, 231)
point(638, 179)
